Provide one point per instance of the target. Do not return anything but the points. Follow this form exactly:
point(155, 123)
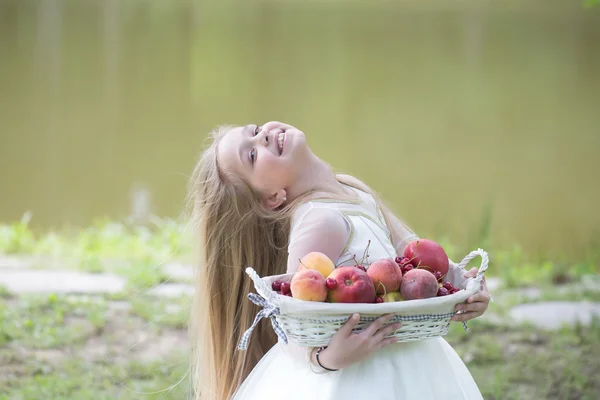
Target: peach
point(418, 284)
point(308, 285)
point(386, 275)
point(353, 286)
point(427, 254)
point(318, 262)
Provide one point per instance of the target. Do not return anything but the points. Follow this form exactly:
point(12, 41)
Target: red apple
point(418, 284)
point(353, 286)
point(386, 275)
point(428, 255)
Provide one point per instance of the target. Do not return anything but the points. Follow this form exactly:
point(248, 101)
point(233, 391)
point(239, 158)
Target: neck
point(318, 178)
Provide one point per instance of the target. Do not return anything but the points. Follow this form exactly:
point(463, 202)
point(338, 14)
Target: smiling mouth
point(280, 142)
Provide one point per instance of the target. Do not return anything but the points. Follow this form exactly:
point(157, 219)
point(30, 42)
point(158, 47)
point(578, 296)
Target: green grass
point(78, 347)
point(520, 362)
point(160, 312)
point(42, 321)
point(76, 379)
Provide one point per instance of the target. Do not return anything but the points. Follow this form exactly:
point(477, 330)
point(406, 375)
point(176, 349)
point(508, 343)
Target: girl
point(261, 198)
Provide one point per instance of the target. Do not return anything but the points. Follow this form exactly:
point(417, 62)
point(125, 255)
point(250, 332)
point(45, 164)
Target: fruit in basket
point(331, 283)
point(378, 299)
point(386, 275)
point(443, 292)
point(276, 285)
point(392, 296)
point(405, 268)
point(402, 261)
point(353, 286)
point(427, 254)
point(285, 288)
point(317, 261)
point(308, 285)
point(418, 284)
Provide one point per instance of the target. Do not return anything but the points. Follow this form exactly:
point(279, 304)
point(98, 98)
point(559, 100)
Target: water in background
point(457, 114)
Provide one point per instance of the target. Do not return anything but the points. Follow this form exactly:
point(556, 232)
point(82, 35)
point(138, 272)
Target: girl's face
point(269, 158)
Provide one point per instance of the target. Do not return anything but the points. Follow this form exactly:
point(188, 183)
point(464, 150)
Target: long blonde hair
point(233, 230)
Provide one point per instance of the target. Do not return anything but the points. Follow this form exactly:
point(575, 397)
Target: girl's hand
point(475, 305)
point(347, 347)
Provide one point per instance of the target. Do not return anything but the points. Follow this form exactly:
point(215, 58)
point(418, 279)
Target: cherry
point(449, 285)
point(331, 283)
point(276, 285)
point(285, 288)
point(408, 267)
point(398, 260)
point(361, 267)
point(378, 299)
point(442, 291)
point(289, 294)
point(454, 290)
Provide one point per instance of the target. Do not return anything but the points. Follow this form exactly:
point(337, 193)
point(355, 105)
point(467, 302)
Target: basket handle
point(484, 261)
point(261, 287)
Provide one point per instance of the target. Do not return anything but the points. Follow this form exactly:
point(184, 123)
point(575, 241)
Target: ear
point(276, 199)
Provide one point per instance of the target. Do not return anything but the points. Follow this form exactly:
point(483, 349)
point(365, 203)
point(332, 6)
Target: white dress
point(423, 370)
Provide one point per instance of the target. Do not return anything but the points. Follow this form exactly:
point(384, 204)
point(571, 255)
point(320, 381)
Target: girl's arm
point(326, 231)
point(323, 230)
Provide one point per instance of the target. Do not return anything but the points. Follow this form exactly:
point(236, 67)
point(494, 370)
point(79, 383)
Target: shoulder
point(320, 220)
point(321, 230)
point(353, 181)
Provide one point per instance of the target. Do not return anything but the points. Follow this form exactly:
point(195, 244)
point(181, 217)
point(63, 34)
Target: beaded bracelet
point(319, 362)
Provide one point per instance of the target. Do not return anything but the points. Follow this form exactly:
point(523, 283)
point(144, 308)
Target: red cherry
point(438, 275)
point(285, 288)
point(442, 291)
point(398, 260)
point(454, 290)
point(276, 285)
point(408, 267)
point(289, 294)
point(331, 283)
point(361, 267)
point(378, 299)
point(448, 285)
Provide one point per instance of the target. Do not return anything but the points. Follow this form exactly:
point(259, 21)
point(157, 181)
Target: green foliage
point(162, 312)
point(104, 240)
point(42, 321)
point(17, 237)
point(75, 379)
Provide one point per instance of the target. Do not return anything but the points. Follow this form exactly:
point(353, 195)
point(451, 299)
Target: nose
point(268, 136)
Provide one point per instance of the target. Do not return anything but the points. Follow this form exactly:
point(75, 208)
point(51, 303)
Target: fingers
point(387, 341)
point(350, 324)
point(466, 316)
point(388, 330)
point(476, 307)
point(481, 296)
point(377, 324)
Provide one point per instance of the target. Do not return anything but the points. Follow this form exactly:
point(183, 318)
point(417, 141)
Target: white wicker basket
point(312, 324)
